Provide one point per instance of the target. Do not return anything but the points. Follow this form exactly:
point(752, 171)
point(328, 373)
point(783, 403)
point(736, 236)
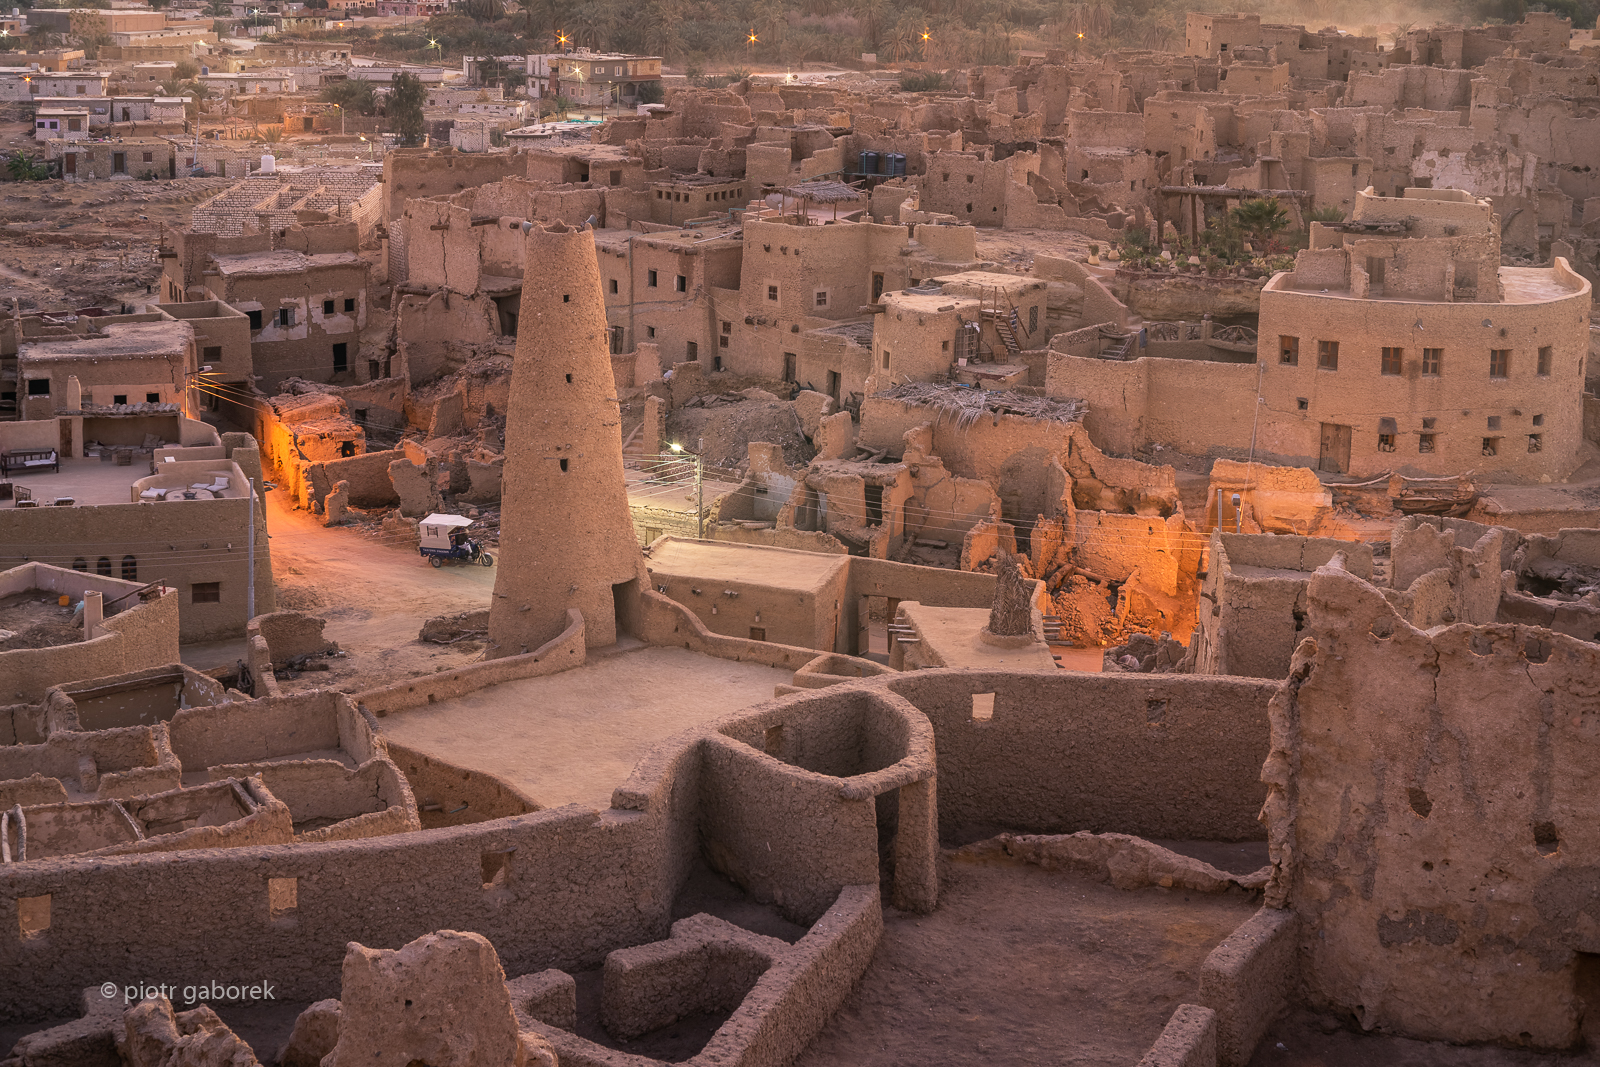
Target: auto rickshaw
point(445, 537)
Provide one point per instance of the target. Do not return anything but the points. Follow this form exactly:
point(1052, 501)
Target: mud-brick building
point(1398, 342)
point(306, 312)
point(138, 359)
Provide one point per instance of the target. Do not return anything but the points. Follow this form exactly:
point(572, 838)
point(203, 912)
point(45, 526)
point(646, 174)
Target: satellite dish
point(774, 199)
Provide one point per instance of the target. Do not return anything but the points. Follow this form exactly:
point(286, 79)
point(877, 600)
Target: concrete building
point(592, 78)
point(102, 158)
point(563, 468)
point(61, 123)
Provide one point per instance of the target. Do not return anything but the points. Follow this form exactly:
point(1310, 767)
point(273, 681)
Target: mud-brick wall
point(1162, 756)
point(579, 885)
point(1437, 827)
point(143, 636)
point(368, 475)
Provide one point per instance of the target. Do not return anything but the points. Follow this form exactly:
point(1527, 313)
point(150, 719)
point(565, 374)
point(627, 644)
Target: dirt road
point(375, 595)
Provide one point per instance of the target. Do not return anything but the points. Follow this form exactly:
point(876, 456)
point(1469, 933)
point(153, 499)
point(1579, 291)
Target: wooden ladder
point(999, 310)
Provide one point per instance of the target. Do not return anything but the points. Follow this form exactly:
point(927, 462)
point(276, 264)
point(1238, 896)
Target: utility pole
point(699, 487)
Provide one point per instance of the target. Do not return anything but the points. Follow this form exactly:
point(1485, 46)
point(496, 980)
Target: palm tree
point(1262, 220)
point(904, 37)
point(871, 13)
point(661, 33)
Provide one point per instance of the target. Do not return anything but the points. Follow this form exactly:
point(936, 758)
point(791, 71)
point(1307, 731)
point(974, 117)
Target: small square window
point(885, 359)
point(120, 398)
point(496, 869)
point(613, 286)
point(205, 593)
point(1546, 356)
point(650, 332)
point(650, 279)
point(1494, 422)
point(149, 157)
point(722, 342)
point(152, 398)
point(727, 327)
point(1499, 366)
point(33, 916)
point(1425, 443)
point(692, 351)
point(349, 303)
point(1535, 442)
point(822, 298)
point(1393, 360)
point(1491, 446)
point(283, 897)
point(681, 284)
point(1328, 355)
point(758, 633)
point(1429, 423)
point(1302, 404)
point(1432, 359)
point(1538, 420)
point(772, 292)
point(255, 319)
point(1386, 442)
point(327, 307)
point(286, 316)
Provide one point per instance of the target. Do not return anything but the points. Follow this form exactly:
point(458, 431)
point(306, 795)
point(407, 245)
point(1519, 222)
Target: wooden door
point(1335, 454)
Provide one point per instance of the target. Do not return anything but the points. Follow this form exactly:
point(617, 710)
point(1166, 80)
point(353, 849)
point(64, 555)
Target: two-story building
point(591, 79)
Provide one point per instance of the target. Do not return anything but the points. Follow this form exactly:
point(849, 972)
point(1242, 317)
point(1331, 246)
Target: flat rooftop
point(763, 565)
point(573, 737)
point(953, 634)
point(120, 340)
point(86, 481)
point(1523, 285)
point(283, 262)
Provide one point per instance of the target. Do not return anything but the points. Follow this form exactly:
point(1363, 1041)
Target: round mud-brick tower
point(566, 535)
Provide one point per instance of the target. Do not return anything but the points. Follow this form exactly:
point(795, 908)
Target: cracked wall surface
point(1430, 805)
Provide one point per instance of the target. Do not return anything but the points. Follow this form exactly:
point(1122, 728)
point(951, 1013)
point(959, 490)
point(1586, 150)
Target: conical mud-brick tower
point(566, 536)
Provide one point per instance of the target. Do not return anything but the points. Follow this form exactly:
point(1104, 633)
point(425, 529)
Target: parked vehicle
point(445, 537)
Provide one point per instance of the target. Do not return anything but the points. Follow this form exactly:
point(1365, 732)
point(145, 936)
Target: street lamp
point(699, 489)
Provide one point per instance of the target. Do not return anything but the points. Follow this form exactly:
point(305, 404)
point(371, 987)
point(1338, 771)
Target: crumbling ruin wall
point(1432, 827)
point(1568, 561)
point(1253, 602)
point(1447, 573)
point(368, 475)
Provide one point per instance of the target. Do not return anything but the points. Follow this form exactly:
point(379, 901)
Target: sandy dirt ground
point(1015, 249)
point(574, 737)
point(375, 593)
point(77, 244)
point(1025, 966)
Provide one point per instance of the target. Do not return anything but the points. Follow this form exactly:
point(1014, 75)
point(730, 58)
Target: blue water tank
point(869, 163)
point(897, 163)
point(863, 166)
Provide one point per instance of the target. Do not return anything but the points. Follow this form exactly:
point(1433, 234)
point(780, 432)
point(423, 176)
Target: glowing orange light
point(1080, 36)
point(753, 38)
